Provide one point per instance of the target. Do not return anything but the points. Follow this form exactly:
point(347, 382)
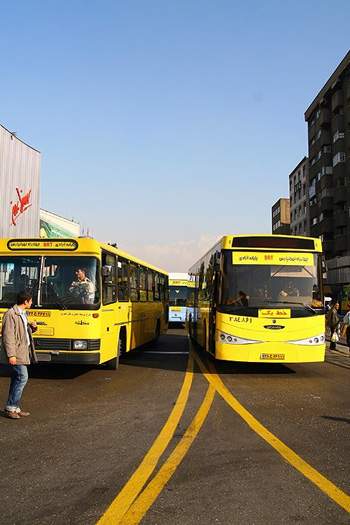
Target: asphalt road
point(90, 429)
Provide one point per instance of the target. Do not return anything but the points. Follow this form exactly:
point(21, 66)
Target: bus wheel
point(157, 330)
point(113, 364)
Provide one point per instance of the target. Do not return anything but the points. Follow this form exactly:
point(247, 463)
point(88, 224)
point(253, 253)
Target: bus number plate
point(43, 357)
point(274, 357)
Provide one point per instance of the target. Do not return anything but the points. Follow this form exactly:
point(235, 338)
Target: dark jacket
point(333, 319)
point(14, 338)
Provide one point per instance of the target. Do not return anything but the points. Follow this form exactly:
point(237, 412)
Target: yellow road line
point(134, 485)
point(326, 486)
point(146, 499)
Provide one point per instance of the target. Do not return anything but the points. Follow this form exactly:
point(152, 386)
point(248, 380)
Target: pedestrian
point(18, 344)
point(333, 322)
point(346, 326)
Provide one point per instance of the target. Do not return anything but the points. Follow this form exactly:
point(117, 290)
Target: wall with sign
point(19, 187)
point(54, 226)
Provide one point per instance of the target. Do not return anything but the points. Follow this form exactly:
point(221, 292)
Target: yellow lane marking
point(146, 499)
point(134, 485)
point(326, 486)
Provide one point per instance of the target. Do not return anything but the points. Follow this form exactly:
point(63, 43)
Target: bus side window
point(150, 292)
point(134, 282)
point(109, 278)
point(123, 280)
point(156, 287)
point(143, 283)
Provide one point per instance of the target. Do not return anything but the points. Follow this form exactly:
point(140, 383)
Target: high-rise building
point(281, 217)
point(299, 199)
point(328, 119)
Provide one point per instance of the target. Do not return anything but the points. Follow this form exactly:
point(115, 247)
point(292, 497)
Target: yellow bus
point(259, 298)
point(91, 301)
point(180, 297)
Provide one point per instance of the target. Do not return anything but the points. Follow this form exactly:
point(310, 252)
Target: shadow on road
point(334, 418)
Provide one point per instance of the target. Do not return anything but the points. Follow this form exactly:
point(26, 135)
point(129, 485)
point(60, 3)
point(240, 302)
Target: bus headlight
point(313, 340)
point(230, 339)
point(80, 345)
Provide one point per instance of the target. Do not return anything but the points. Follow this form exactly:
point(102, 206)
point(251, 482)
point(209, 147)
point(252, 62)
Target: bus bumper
point(271, 352)
point(69, 358)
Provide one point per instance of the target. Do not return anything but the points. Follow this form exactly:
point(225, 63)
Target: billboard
point(19, 187)
point(53, 226)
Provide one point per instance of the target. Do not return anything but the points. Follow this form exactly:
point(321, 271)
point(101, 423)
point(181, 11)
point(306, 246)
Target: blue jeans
point(18, 382)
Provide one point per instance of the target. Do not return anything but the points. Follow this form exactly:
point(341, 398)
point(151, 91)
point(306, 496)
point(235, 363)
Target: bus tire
point(113, 364)
point(157, 334)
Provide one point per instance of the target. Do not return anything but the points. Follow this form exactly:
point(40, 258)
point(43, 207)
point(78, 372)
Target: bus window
point(72, 281)
point(134, 290)
point(123, 280)
point(156, 287)
point(143, 283)
point(16, 275)
point(150, 285)
point(109, 278)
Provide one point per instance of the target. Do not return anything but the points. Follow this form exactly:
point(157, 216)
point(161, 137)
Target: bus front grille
point(43, 343)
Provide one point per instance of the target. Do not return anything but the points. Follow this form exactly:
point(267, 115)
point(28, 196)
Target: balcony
point(340, 194)
point(337, 99)
point(341, 218)
point(326, 204)
point(325, 118)
point(325, 182)
point(338, 122)
point(325, 137)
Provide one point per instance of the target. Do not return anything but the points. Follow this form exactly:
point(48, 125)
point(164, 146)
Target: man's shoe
point(12, 415)
point(23, 414)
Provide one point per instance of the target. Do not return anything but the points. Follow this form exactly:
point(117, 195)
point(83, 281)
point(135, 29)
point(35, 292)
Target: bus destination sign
point(43, 245)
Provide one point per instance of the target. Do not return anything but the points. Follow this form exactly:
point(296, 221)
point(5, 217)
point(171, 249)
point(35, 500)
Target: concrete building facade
point(280, 215)
point(299, 199)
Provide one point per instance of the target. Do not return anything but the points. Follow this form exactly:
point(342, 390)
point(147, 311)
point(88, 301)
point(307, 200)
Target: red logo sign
point(21, 205)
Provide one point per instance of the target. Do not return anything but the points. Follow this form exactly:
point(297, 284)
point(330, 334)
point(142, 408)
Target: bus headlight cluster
point(80, 345)
point(230, 339)
point(313, 340)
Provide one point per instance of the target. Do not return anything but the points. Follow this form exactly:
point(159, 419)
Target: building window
point(327, 148)
point(314, 221)
point(339, 157)
point(318, 134)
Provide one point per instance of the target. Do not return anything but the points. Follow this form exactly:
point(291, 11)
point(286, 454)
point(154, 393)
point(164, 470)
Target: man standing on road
point(18, 344)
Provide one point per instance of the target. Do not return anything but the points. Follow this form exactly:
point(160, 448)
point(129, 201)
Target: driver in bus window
point(241, 300)
point(82, 287)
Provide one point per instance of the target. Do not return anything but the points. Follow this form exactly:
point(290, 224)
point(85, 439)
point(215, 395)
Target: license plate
point(274, 357)
point(43, 357)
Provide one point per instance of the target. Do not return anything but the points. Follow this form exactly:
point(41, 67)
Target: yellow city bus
point(180, 297)
point(91, 301)
point(259, 298)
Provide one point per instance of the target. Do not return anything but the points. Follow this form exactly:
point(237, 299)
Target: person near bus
point(82, 287)
point(18, 344)
point(346, 326)
point(333, 322)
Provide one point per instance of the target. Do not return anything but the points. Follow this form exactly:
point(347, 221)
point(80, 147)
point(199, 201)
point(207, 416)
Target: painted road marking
point(149, 495)
point(134, 485)
point(326, 486)
point(166, 353)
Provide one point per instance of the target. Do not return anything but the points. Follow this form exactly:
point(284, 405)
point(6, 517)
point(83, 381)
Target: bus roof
point(81, 245)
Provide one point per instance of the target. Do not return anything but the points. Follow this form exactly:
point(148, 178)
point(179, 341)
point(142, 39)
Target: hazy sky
point(165, 124)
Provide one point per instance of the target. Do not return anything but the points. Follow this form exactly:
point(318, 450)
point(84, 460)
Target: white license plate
point(43, 357)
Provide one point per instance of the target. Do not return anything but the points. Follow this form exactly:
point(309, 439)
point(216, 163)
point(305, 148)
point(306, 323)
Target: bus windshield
point(265, 286)
point(177, 296)
point(54, 281)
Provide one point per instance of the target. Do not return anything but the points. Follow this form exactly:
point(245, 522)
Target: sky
point(164, 125)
